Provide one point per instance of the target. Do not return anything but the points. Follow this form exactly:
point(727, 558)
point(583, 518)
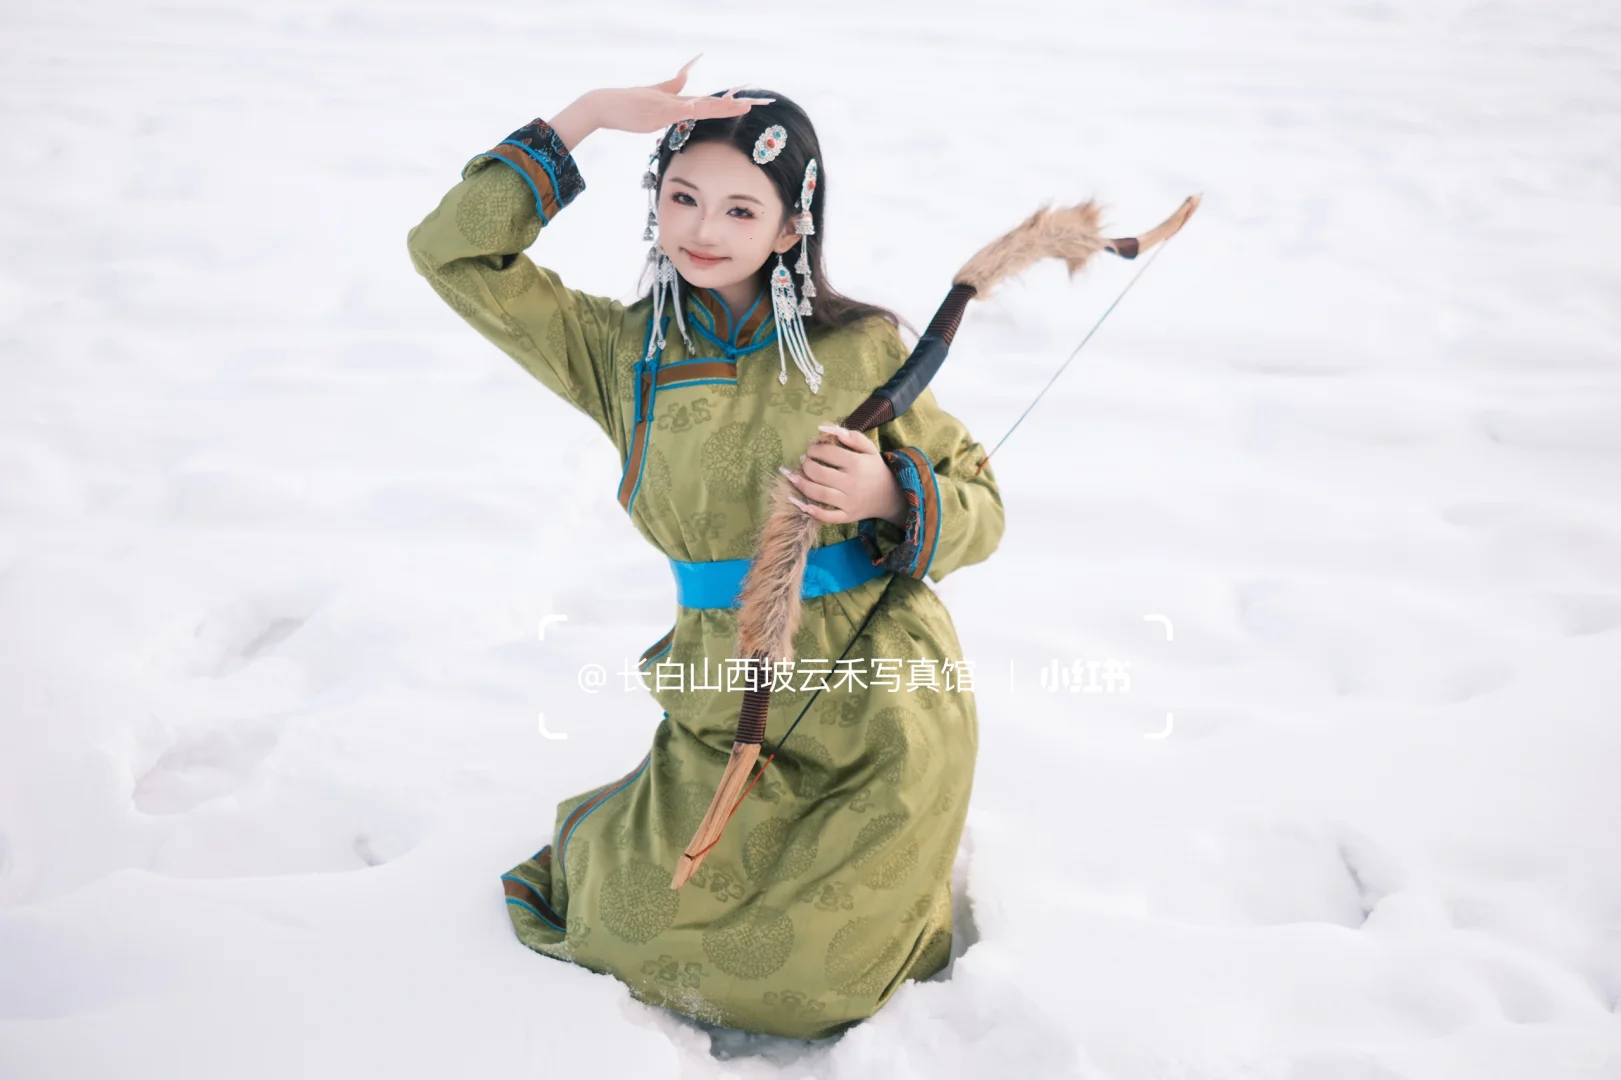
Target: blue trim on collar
point(739, 324)
point(704, 323)
point(729, 351)
point(724, 306)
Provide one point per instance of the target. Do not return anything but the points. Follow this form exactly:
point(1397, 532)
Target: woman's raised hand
point(649, 108)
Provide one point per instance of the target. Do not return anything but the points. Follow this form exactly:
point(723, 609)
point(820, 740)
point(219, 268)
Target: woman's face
point(716, 201)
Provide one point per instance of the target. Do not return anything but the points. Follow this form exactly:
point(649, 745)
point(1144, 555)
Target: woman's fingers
point(820, 492)
point(855, 440)
point(705, 108)
point(827, 496)
point(832, 456)
point(836, 472)
point(680, 79)
point(826, 517)
point(829, 515)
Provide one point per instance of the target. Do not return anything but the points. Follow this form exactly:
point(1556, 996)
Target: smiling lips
point(704, 260)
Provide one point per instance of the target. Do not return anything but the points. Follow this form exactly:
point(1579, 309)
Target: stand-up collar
point(733, 335)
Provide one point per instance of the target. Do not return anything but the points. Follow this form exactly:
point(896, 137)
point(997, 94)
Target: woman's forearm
point(577, 120)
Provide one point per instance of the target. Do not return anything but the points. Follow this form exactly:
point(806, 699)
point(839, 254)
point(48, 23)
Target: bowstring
point(1141, 270)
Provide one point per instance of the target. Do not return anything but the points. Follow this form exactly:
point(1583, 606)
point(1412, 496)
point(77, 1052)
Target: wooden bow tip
point(738, 767)
point(685, 867)
point(1129, 247)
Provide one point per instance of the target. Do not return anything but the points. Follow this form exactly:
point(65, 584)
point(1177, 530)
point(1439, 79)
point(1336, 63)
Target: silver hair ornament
point(791, 329)
point(805, 226)
point(664, 276)
point(770, 144)
point(665, 279)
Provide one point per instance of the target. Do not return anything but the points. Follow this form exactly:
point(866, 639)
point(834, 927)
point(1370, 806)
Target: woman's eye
point(681, 198)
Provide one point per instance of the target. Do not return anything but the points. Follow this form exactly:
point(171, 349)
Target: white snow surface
point(280, 530)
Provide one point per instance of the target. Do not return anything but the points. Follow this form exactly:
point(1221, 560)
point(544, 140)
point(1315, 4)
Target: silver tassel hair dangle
point(804, 225)
point(679, 134)
point(665, 278)
point(791, 315)
point(791, 329)
point(650, 183)
point(664, 275)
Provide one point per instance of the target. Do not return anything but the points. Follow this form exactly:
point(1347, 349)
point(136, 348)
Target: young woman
point(831, 884)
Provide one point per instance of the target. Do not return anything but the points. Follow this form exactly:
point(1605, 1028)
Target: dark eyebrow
point(688, 183)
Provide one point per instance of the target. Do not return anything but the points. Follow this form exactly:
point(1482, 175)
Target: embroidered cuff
point(540, 158)
point(913, 554)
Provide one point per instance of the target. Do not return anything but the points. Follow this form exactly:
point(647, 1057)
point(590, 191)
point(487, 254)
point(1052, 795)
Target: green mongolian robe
point(831, 884)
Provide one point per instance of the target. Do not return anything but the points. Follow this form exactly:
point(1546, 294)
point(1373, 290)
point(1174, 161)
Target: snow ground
point(279, 530)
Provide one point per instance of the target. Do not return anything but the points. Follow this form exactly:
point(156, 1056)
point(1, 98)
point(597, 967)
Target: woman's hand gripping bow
point(848, 478)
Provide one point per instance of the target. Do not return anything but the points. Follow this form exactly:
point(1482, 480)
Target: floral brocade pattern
point(830, 886)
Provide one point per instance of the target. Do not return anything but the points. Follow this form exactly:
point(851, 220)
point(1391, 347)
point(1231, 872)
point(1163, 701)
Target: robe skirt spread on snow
point(831, 884)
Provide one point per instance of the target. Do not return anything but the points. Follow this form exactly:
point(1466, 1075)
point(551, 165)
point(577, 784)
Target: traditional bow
point(769, 614)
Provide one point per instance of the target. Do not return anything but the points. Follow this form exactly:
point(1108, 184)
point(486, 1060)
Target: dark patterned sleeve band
point(915, 552)
point(541, 159)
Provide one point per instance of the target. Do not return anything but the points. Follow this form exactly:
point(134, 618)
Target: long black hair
point(787, 172)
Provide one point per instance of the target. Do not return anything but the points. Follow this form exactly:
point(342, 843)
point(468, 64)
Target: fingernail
point(801, 457)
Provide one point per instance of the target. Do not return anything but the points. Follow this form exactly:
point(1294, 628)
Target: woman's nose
point(706, 225)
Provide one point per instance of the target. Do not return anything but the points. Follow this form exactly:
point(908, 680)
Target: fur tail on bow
point(770, 613)
point(1069, 233)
